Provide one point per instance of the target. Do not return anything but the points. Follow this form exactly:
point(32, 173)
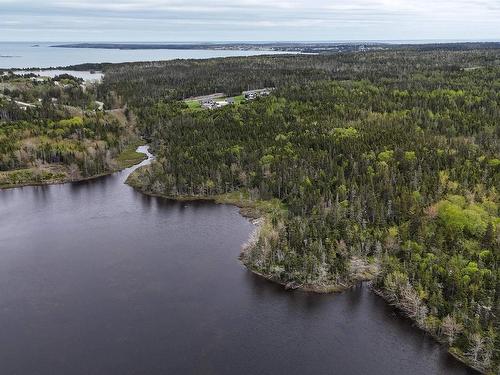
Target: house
point(250, 96)
point(208, 104)
point(220, 104)
point(254, 94)
point(38, 79)
point(24, 106)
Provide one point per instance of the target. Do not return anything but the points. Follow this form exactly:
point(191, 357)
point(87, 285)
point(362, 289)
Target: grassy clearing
point(239, 99)
point(58, 173)
point(130, 157)
point(193, 104)
point(250, 207)
point(30, 176)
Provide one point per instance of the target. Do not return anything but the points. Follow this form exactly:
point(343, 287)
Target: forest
point(50, 131)
point(380, 165)
point(385, 165)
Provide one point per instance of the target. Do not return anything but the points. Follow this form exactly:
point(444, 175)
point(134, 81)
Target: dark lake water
point(96, 278)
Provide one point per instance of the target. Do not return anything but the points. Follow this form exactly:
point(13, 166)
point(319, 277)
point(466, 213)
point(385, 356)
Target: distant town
point(291, 47)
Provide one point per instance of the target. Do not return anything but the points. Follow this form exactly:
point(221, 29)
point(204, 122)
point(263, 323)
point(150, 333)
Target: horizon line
point(390, 41)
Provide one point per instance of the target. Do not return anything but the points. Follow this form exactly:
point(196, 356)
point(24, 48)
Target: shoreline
point(449, 349)
point(121, 165)
point(256, 211)
point(306, 288)
point(250, 210)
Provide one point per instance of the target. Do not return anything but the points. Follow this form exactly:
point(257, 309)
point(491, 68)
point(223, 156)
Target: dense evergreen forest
point(384, 164)
point(146, 83)
point(50, 131)
point(381, 165)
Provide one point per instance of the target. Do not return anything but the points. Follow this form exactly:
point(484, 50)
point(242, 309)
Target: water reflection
point(41, 193)
point(146, 200)
point(96, 183)
point(96, 278)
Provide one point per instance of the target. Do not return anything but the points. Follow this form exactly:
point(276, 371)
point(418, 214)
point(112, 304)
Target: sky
point(248, 20)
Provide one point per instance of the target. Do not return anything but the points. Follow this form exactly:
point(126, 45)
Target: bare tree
point(476, 347)
point(450, 328)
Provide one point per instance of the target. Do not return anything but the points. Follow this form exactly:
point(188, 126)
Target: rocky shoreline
point(368, 273)
point(361, 270)
point(256, 211)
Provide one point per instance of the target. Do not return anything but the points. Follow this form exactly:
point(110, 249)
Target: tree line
point(44, 125)
point(392, 157)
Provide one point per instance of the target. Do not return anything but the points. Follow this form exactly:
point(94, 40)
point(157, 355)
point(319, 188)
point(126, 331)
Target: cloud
point(170, 20)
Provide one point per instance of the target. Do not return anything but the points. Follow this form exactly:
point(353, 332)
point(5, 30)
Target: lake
point(96, 278)
point(26, 55)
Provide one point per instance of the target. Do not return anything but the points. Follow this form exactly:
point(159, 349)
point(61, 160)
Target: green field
point(130, 157)
point(193, 104)
point(239, 99)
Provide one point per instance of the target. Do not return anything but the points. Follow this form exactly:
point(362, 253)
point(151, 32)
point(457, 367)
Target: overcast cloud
point(232, 20)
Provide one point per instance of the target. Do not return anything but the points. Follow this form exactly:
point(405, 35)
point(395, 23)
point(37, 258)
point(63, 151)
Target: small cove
point(97, 278)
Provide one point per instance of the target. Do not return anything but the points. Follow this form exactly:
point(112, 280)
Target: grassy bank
point(33, 176)
point(250, 208)
point(48, 174)
point(129, 157)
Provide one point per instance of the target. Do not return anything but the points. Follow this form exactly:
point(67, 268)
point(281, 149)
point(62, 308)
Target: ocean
point(22, 55)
